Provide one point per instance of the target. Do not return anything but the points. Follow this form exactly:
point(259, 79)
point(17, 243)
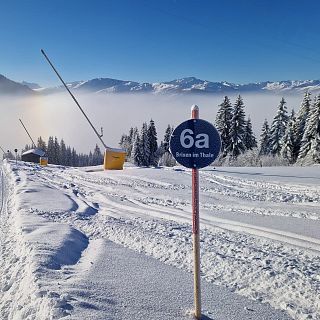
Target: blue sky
point(148, 41)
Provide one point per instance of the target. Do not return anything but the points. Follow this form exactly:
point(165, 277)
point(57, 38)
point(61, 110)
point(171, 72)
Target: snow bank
point(35, 248)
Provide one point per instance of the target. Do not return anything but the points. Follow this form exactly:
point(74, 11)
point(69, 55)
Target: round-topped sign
point(195, 143)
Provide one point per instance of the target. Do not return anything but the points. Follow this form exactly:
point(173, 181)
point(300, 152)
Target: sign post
point(195, 144)
point(195, 231)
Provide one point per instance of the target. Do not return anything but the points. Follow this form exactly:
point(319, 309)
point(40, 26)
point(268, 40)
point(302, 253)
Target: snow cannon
point(43, 161)
point(114, 159)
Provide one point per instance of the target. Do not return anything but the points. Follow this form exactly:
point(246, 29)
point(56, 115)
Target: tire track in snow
point(140, 208)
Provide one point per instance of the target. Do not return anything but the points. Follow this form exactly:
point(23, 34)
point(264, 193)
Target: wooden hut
point(33, 155)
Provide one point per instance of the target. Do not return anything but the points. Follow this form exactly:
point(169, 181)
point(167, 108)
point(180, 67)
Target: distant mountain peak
point(9, 87)
point(31, 85)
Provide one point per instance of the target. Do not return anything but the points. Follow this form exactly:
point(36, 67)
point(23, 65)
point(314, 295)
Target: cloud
point(58, 115)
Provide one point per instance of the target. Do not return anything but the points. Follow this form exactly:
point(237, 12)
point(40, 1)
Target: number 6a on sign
point(202, 139)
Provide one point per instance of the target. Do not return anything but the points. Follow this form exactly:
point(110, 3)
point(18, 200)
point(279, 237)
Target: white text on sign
point(187, 140)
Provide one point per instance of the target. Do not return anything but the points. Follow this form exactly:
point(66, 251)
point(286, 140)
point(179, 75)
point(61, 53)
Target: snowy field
point(88, 244)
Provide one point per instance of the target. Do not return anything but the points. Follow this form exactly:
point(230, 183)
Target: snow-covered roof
point(36, 151)
point(116, 150)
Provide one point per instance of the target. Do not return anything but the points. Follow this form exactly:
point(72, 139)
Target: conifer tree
point(63, 153)
point(74, 158)
point(153, 144)
point(309, 144)
point(97, 157)
point(41, 144)
point(300, 122)
point(145, 146)
point(69, 156)
point(137, 155)
point(50, 150)
point(265, 147)
point(278, 128)
point(288, 141)
point(223, 124)
point(237, 130)
point(166, 138)
point(56, 151)
point(250, 140)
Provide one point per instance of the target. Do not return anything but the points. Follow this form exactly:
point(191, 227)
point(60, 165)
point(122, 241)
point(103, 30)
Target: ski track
point(151, 216)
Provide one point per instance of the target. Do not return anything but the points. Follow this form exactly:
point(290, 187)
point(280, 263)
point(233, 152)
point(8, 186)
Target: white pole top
point(194, 107)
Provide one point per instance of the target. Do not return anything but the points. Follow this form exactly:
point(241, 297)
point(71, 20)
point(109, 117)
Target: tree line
point(142, 146)
point(59, 153)
point(291, 138)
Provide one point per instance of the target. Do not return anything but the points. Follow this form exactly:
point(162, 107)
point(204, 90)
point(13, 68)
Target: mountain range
point(180, 86)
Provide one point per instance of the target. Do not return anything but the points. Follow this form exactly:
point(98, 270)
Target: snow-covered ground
point(66, 234)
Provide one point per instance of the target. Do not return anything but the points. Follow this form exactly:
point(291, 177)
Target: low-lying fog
point(57, 115)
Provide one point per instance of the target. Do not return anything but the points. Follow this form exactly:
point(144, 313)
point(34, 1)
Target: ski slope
point(260, 236)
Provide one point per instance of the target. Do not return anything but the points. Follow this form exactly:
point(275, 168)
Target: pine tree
point(74, 158)
point(125, 144)
point(300, 122)
point(97, 157)
point(26, 148)
point(278, 128)
point(50, 150)
point(56, 148)
point(63, 153)
point(309, 147)
point(265, 147)
point(137, 155)
point(237, 130)
point(69, 157)
point(250, 140)
point(288, 142)
point(145, 145)
point(41, 144)
point(153, 144)
point(223, 124)
point(166, 139)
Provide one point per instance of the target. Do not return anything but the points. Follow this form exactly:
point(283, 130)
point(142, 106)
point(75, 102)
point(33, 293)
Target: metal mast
point(74, 99)
point(33, 144)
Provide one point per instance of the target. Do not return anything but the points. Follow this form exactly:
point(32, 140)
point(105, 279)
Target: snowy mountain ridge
point(188, 85)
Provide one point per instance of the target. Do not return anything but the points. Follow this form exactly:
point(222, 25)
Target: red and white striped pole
point(196, 230)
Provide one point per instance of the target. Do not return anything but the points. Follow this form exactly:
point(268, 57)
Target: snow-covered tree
point(309, 144)
point(237, 130)
point(63, 153)
point(56, 148)
point(74, 158)
point(145, 146)
point(223, 124)
point(137, 153)
point(125, 144)
point(153, 144)
point(41, 144)
point(97, 156)
point(50, 150)
point(166, 139)
point(250, 140)
point(69, 157)
point(167, 160)
point(300, 122)
point(288, 142)
point(278, 128)
point(264, 148)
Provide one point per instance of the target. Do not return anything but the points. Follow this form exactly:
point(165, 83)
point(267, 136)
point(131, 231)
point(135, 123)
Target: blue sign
point(195, 143)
